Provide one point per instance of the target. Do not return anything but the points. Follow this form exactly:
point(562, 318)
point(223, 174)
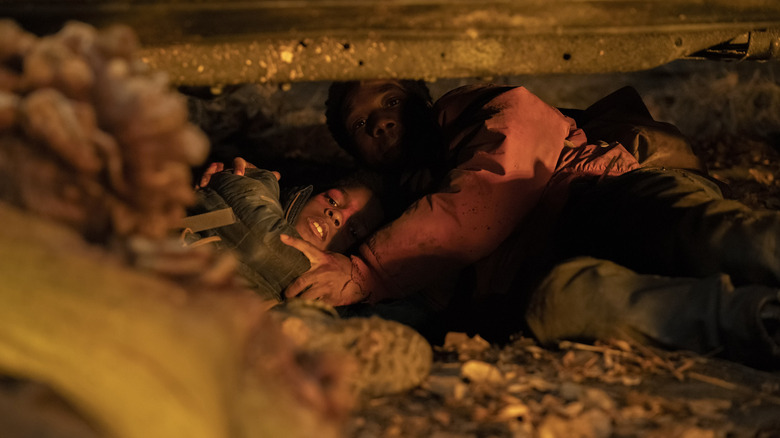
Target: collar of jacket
point(293, 199)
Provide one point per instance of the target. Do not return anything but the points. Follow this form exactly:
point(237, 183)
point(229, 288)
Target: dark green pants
point(671, 222)
point(659, 256)
point(588, 299)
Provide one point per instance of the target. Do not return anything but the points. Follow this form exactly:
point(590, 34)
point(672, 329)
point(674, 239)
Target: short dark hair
point(365, 178)
point(337, 97)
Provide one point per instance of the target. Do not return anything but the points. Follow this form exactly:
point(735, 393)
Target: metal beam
point(214, 42)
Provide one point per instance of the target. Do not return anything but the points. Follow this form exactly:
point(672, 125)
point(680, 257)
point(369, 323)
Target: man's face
point(374, 120)
point(337, 219)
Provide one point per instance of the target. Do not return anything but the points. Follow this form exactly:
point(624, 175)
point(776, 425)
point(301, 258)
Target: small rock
point(697, 432)
point(634, 412)
point(685, 431)
point(442, 417)
point(709, 408)
point(481, 372)
point(541, 384)
point(573, 409)
point(570, 391)
point(446, 387)
point(598, 398)
point(517, 388)
point(591, 424)
point(465, 345)
point(513, 411)
point(480, 413)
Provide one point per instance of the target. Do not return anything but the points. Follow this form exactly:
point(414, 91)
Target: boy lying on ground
point(258, 213)
point(390, 357)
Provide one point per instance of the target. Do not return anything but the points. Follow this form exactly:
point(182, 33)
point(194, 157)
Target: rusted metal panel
point(230, 41)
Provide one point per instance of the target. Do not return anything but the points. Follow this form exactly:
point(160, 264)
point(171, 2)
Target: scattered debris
point(578, 390)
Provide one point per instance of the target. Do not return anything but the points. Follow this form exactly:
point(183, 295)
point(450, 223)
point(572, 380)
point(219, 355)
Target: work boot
point(390, 357)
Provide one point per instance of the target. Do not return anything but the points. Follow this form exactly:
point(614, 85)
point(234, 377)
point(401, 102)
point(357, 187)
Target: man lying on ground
point(510, 189)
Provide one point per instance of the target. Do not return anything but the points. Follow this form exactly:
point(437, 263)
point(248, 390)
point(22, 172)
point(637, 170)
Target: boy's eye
point(393, 101)
point(332, 201)
point(358, 124)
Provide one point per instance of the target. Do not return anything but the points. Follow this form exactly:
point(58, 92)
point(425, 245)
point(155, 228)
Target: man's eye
point(393, 101)
point(354, 233)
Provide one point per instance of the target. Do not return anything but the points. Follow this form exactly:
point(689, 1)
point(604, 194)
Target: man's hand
point(329, 279)
point(240, 166)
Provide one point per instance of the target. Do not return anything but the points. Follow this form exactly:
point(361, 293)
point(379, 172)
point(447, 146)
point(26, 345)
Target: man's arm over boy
point(503, 152)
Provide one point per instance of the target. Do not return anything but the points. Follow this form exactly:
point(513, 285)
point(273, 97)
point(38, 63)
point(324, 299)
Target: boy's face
point(374, 116)
point(337, 219)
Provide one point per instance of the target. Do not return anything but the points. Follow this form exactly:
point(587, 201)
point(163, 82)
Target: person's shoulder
point(466, 99)
point(468, 92)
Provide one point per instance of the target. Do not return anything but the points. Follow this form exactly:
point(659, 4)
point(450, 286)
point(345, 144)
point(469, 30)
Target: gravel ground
point(578, 390)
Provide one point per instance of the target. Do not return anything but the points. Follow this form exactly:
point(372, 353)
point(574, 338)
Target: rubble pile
point(607, 389)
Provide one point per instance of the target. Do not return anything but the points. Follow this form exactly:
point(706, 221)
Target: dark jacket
point(267, 263)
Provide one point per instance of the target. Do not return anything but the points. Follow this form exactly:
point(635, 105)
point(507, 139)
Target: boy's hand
point(329, 279)
point(210, 171)
point(240, 166)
